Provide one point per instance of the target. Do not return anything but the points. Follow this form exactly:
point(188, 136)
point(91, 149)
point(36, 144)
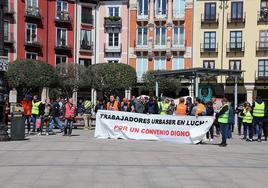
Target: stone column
point(169, 11)
point(13, 99)
point(45, 94)
point(93, 96)
point(250, 90)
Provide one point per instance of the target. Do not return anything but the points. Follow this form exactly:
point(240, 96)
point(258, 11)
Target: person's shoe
point(265, 139)
point(259, 140)
point(39, 134)
point(244, 138)
point(47, 134)
point(211, 140)
point(223, 145)
point(251, 140)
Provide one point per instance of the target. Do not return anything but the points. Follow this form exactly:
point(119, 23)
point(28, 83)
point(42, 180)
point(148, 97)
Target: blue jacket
point(231, 118)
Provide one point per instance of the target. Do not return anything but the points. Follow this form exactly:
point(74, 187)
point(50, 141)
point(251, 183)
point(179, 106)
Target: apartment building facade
point(112, 35)
point(160, 35)
point(233, 35)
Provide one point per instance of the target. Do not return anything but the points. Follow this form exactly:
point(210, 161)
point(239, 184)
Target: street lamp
point(3, 65)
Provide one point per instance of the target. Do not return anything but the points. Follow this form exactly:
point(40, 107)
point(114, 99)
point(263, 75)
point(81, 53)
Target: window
point(160, 8)
point(112, 61)
point(6, 51)
point(30, 55)
point(62, 9)
point(142, 36)
point(263, 39)
point(113, 39)
point(235, 64)
point(236, 39)
point(31, 3)
point(86, 15)
point(178, 8)
point(263, 68)
point(113, 11)
point(143, 7)
point(237, 10)
point(210, 11)
point(209, 64)
point(209, 41)
point(31, 34)
point(177, 63)
point(85, 38)
point(61, 37)
point(85, 62)
point(141, 66)
point(160, 63)
point(160, 36)
point(178, 36)
point(6, 30)
point(61, 64)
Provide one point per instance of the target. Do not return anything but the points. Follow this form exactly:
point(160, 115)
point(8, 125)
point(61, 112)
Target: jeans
point(230, 130)
point(53, 121)
point(240, 125)
point(248, 127)
point(68, 125)
point(211, 132)
point(257, 121)
point(224, 130)
point(34, 117)
point(27, 119)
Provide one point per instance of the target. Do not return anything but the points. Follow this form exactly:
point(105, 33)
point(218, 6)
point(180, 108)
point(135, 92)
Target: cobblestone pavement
point(83, 161)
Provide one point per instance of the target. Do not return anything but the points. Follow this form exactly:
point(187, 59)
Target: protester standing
point(27, 112)
point(258, 115)
point(199, 108)
point(222, 116)
point(47, 114)
point(265, 123)
point(181, 109)
point(125, 105)
point(99, 106)
point(231, 121)
point(151, 107)
point(171, 108)
point(210, 112)
point(247, 122)
point(189, 104)
point(87, 114)
point(164, 107)
point(35, 111)
point(112, 104)
point(70, 111)
point(238, 111)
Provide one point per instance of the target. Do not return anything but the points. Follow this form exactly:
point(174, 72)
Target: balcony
point(87, 20)
point(141, 47)
point(261, 46)
point(160, 17)
point(160, 47)
point(33, 13)
point(262, 17)
point(9, 39)
point(86, 46)
point(236, 19)
point(33, 43)
point(235, 47)
point(113, 23)
point(8, 11)
point(208, 48)
point(178, 16)
point(63, 17)
point(113, 49)
point(62, 47)
point(142, 17)
point(261, 77)
point(205, 19)
point(175, 46)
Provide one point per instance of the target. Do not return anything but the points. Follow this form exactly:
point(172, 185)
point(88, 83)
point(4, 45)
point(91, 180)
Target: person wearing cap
point(223, 115)
point(258, 108)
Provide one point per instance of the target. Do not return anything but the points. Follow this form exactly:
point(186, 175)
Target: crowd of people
point(253, 118)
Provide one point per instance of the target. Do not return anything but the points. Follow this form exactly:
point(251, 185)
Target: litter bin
point(17, 126)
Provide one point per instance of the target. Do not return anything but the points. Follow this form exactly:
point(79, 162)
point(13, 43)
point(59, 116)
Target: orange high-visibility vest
point(181, 110)
point(114, 107)
point(199, 109)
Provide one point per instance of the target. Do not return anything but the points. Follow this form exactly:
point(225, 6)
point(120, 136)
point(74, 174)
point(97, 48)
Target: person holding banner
point(181, 108)
point(223, 116)
point(112, 104)
point(199, 109)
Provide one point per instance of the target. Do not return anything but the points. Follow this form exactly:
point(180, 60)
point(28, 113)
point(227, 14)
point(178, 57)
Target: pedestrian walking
point(55, 116)
point(222, 116)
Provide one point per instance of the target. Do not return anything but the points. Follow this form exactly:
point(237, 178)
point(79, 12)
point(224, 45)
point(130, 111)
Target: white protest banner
point(126, 125)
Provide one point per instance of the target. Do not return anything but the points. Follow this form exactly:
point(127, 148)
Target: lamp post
point(3, 65)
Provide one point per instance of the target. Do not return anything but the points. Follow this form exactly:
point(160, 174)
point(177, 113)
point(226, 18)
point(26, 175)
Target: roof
point(198, 72)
